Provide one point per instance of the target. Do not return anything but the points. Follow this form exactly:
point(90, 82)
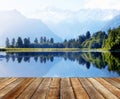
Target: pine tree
point(52, 40)
point(7, 43)
point(19, 43)
point(36, 41)
point(13, 42)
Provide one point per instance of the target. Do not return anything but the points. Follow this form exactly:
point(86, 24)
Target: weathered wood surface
point(59, 88)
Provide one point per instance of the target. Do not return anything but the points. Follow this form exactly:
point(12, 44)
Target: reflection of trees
point(36, 59)
point(19, 59)
point(7, 58)
point(99, 60)
point(13, 58)
point(45, 56)
point(26, 59)
point(96, 58)
point(87, 65)
point(113, 61)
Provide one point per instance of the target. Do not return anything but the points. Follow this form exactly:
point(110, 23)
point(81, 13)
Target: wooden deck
point(59, 88)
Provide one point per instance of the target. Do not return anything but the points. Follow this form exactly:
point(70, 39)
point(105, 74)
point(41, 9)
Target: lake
point(59, 64)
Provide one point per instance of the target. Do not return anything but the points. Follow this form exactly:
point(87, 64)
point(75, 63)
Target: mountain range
point(79, 22)
point(113, 23)
point(14, 24)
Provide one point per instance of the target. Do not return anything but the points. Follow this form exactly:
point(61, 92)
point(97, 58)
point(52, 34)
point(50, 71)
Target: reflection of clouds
point(25, 69)
point(4, 71)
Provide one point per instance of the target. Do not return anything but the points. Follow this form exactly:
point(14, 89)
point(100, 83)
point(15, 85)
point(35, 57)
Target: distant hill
point(14, 24)
point(78, 22)
point(113, 23)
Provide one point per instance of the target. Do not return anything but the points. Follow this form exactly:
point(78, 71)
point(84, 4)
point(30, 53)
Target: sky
point(59, 9)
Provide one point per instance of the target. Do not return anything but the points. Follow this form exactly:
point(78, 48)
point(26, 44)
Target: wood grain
point(59, 88)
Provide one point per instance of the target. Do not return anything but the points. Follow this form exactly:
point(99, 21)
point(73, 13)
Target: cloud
point(75, 5)
point(58, 10)
point(103, 4)
point(55, 15)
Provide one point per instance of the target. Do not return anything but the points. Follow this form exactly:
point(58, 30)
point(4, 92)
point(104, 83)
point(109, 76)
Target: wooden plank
point(79, 91)
point(116, 84)
point(6, 82)
point(110, 87)
point(115, 79)
point(104, 91)
point(66, 89)
point(54, 91)
point(93, 93)
point(56, 88)
point(20, 89)
point(29, 91)
point(3, 79)
point(55, 83)
point(42, 90)
point(118, 79)
point(65, 82)
point(10, 88)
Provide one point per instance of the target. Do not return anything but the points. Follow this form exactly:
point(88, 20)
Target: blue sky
point(45, 9)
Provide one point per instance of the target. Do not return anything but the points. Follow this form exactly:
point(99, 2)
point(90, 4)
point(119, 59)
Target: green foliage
point(113, 61)
point(113, 41)
point(96, 59)
point(96, 41)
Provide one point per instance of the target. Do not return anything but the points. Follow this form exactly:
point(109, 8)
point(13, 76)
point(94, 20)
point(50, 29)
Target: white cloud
point(29, 5)
point(103, 4)
point(56, 10)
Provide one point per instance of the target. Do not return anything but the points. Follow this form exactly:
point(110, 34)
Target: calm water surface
point(59, 64)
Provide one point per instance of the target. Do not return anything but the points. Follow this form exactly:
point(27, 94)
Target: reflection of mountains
point(99, 60)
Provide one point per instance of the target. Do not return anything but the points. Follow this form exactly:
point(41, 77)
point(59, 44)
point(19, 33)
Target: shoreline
point(55, 50)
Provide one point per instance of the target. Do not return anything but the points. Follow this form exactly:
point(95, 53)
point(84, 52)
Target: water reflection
point(97, 59)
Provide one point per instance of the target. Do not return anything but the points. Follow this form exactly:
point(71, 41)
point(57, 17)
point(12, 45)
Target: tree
point(51, 40)
point(88, 35)
point(45, 40)
point(26, 42)
point(113, 41)
point(36, 41)
point(7, 43)
point(48, 41)
point(19, 43)
point(29, 41)
point(13, 42)
point(41, 40)
point(65, 43)
point(80, 40)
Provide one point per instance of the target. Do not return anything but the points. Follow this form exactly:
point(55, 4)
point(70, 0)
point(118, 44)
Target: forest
point(100, 39)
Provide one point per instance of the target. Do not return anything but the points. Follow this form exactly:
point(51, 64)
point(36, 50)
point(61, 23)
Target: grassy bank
point(39, 49)
point(53, 49)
